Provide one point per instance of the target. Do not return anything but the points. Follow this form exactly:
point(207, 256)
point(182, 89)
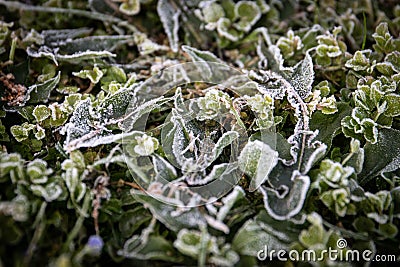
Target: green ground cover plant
point(208, 133)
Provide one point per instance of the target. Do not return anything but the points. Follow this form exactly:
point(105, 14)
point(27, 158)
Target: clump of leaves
point(197, 132)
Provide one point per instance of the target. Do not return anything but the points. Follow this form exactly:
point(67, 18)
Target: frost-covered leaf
point(337, 200)
point(383, 39)
point(146, 145)
point(383, 156)
point(92, 43)
point(73, 58)
point(49, 192)
point(169, 16)
point(199, 55)
point(192, 243)
point(225, 29)
point(392, 105)
point(38, 172)
point(93, 75)
point(225, 140)
point(163, 169)
point(41, 92)
point(257, 159)
point(256, 234)
point(229, 201)
point(87, 125)
point(356, 155)
point(150, 248)
point(285, 202)
point(18, 208)
point(163, 212)
point(40, 132)
point(329, 125)
point(204, 57)
point(130, 7)
point(41, 112)
point(74, 184)
point(302, 77)
point(21, 132)
point(359, 62)
point(59, 35)
point(212, 12)
point(248, 14)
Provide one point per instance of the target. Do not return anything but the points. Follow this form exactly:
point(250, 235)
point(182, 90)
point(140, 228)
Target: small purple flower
point(95, 244)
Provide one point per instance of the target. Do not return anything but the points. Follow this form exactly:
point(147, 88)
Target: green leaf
point(248, 14)
point(329, 125)
point(393, 105)
point(289, 200)
point(388, 230)
point(162, 212)
point(169, 16)
point(93, 75)
point(359, 62)
point(363, 224)
point(257, 159)
point(212, 12)
point(21, 132)
point(150, 248)
point(41, 92)
point(131, 220)
point(382, 156)
point(254, 235)
point(130, 7)
point(41, 112)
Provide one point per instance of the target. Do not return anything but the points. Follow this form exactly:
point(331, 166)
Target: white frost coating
point(221, 29)
point(229, 201)
point(247, 27)
point(51, 192)
point(55, 57)
point(146, 145)
point(216, 224)
point(257, 159)
point(215, 173)
point(316, 155)
point(169, 17)
point(294, 198)
point(225, 140)
point(161, 166)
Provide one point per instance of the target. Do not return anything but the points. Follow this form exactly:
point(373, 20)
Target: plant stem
point(74, 232)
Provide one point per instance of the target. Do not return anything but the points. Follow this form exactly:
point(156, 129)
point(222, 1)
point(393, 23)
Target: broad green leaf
point(41, 113)
point(383, 156)
point(257, 159)
point(393, 105)
point(329, 125)
point(130, 7)
point(169, 16)
point(289, 200)
point(41, 92)
point(162, 212)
